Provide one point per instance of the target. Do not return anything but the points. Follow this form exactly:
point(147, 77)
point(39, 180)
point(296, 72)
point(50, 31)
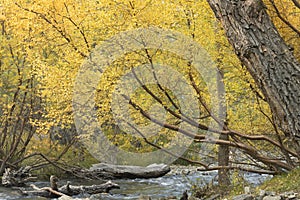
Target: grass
point(287, 182)
point(283, 183)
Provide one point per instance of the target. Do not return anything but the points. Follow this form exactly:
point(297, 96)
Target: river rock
point(247, 190)
point(243, 197)
point(290, 195)
point(262, 193)
point(272, 198)
point(66, 198)
point(270, 193)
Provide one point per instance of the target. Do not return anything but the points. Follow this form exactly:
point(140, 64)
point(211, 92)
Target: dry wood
point(48, 191)
point(68, 190)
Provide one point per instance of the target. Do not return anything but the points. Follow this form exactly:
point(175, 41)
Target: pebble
point(247, 190)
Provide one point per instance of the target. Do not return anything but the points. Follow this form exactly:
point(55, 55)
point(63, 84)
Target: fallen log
point(17, 177)
point(69, 190)
point(109, 171)
point(93, 189)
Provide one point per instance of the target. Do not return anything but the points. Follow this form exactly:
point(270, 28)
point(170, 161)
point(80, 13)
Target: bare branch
point(297, 4)
point(258, 171)
point(206, 167)
point(283, 19)
point(180, 116)
point(77, 27)
point(166, 151)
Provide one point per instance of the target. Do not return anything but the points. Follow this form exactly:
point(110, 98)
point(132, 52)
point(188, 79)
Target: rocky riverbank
point(263, 195)
point(281, 187)
point(267, 195)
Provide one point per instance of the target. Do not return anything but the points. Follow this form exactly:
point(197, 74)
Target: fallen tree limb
point(69, 190)
point(93, 189)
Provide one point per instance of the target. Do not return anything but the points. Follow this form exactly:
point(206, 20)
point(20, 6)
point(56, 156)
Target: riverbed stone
point(289, 195)
point(243, 197)
point(272, 198)
point(65, 198)
point(262, 193)
point(270, 193)
point(247, 190)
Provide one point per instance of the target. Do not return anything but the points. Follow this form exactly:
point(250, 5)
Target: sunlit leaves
point(47, 41)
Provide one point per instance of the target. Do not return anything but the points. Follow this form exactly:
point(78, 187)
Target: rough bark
point(108, 171)
point(261, 49)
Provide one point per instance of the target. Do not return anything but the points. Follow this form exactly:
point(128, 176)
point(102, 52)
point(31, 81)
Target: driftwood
point(47, 192)
point(93, 189)
point(69, 190)
point(108, 171)
point(17, 178)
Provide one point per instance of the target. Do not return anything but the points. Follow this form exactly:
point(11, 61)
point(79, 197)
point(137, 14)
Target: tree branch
point(283, 19)
point(296, 3)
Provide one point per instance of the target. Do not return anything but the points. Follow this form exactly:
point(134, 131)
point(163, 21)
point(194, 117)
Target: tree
point(267, 57)
point(55, 37)
point(22, 108)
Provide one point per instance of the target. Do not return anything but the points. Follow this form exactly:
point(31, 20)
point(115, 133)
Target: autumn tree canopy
point(43, 46)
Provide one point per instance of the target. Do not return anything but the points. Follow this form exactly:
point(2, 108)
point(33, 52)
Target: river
point(172, 184)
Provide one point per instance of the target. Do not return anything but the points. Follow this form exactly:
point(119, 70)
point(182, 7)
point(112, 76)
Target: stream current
point(173, 184)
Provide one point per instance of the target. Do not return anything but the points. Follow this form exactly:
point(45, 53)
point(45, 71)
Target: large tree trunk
point(261, 49)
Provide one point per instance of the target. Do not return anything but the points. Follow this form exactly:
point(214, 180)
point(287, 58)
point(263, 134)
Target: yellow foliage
point(56, 36)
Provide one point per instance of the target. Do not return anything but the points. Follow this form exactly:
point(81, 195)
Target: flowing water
point(172, 184)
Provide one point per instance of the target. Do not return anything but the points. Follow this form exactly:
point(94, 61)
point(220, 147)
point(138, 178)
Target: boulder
point(272, 198)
